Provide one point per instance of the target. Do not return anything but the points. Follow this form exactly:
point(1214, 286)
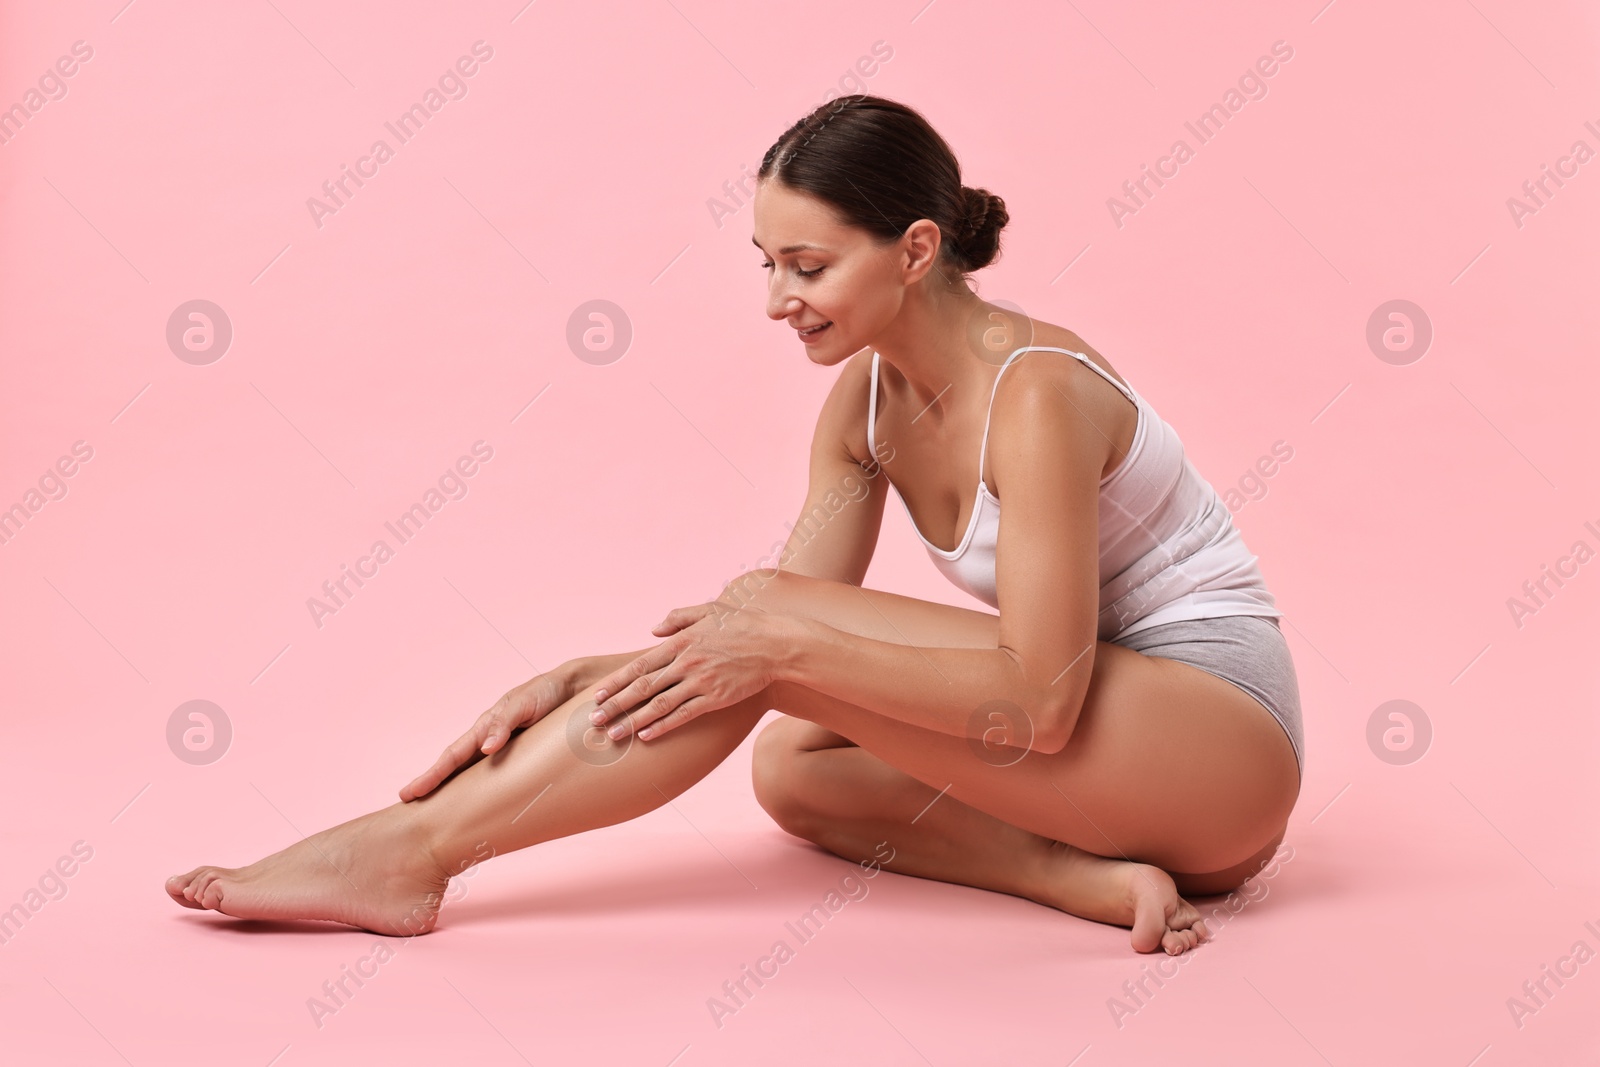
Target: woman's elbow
point(1056, 726)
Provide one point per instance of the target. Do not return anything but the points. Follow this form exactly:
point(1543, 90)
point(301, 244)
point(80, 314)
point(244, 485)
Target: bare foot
point(373, 872)
point(1135, 895)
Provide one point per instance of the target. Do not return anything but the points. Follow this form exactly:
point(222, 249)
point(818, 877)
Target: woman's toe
point(197, 889)
point(177, 887)
point(209, 893)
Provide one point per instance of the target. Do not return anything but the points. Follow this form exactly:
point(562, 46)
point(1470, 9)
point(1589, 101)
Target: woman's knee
point(761, 588)
point(777, 770)
point(770, 766)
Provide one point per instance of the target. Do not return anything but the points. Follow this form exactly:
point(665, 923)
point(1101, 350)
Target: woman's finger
point(671, 691)
point(641, 715)
point(689, 709)
point(462, 750)
point(609, 707)
point(668, 625)
point(621, 678)
point(629, 704)
point(630, 684)
point(491, 730)
point(678, 618)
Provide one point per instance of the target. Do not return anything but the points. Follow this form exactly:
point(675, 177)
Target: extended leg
point(387, 871)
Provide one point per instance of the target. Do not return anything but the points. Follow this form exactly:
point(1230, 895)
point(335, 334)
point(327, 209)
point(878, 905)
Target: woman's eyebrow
point(792, 249)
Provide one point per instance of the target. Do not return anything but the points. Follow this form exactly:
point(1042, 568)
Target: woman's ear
point(922, 241)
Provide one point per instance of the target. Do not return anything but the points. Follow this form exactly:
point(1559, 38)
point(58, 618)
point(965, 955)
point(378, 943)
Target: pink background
point(433, 308)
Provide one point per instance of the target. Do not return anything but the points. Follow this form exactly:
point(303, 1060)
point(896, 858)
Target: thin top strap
point(1091, 364)
point(872, 410)
point(983, 450)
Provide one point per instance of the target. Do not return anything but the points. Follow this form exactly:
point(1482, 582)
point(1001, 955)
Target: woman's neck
point(947, 354)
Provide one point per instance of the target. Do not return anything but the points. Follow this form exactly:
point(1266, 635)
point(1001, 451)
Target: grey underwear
point(1247, 650)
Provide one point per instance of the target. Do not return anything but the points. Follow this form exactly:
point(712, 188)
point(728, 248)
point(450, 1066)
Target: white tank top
point(1168, 547)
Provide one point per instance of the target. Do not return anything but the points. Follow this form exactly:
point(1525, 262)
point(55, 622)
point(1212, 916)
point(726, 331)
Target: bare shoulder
point(1047, 402)
point(1036, 372)
point(842, 423)
point(1040, 365)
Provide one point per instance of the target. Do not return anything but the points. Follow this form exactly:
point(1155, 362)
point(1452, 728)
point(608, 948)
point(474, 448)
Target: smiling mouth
point(812, 331)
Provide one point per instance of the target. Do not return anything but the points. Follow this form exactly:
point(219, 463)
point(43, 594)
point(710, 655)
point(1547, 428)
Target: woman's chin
point(830, 355)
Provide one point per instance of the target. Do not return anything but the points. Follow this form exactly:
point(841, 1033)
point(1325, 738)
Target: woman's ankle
point(419, 830)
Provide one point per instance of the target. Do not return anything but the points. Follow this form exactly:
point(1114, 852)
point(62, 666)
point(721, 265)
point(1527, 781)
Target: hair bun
point(975, 211)
point(984, 215)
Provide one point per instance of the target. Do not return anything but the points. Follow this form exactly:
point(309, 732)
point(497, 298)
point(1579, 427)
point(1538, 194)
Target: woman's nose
point(780, 302)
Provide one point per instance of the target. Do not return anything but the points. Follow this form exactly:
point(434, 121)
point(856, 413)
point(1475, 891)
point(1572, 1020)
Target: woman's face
point(822, 271)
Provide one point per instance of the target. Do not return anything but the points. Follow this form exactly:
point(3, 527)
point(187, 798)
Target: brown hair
point(881, 167)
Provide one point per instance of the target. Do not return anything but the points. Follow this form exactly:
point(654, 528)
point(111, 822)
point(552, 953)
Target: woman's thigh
point(1168, 764)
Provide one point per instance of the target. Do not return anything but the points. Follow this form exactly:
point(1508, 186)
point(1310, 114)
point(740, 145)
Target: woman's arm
point(1047, 454)
point(1046, 457)
point(981, 693)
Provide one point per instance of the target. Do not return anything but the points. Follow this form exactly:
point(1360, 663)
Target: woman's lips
point(812, 333)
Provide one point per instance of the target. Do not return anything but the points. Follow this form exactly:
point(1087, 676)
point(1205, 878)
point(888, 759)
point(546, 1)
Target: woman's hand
point(522, 706)
point(717, 656)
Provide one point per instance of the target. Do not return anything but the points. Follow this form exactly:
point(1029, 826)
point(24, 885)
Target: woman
point(1125, 729)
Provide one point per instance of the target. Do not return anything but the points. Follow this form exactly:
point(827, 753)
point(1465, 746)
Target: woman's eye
point(802, 273)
